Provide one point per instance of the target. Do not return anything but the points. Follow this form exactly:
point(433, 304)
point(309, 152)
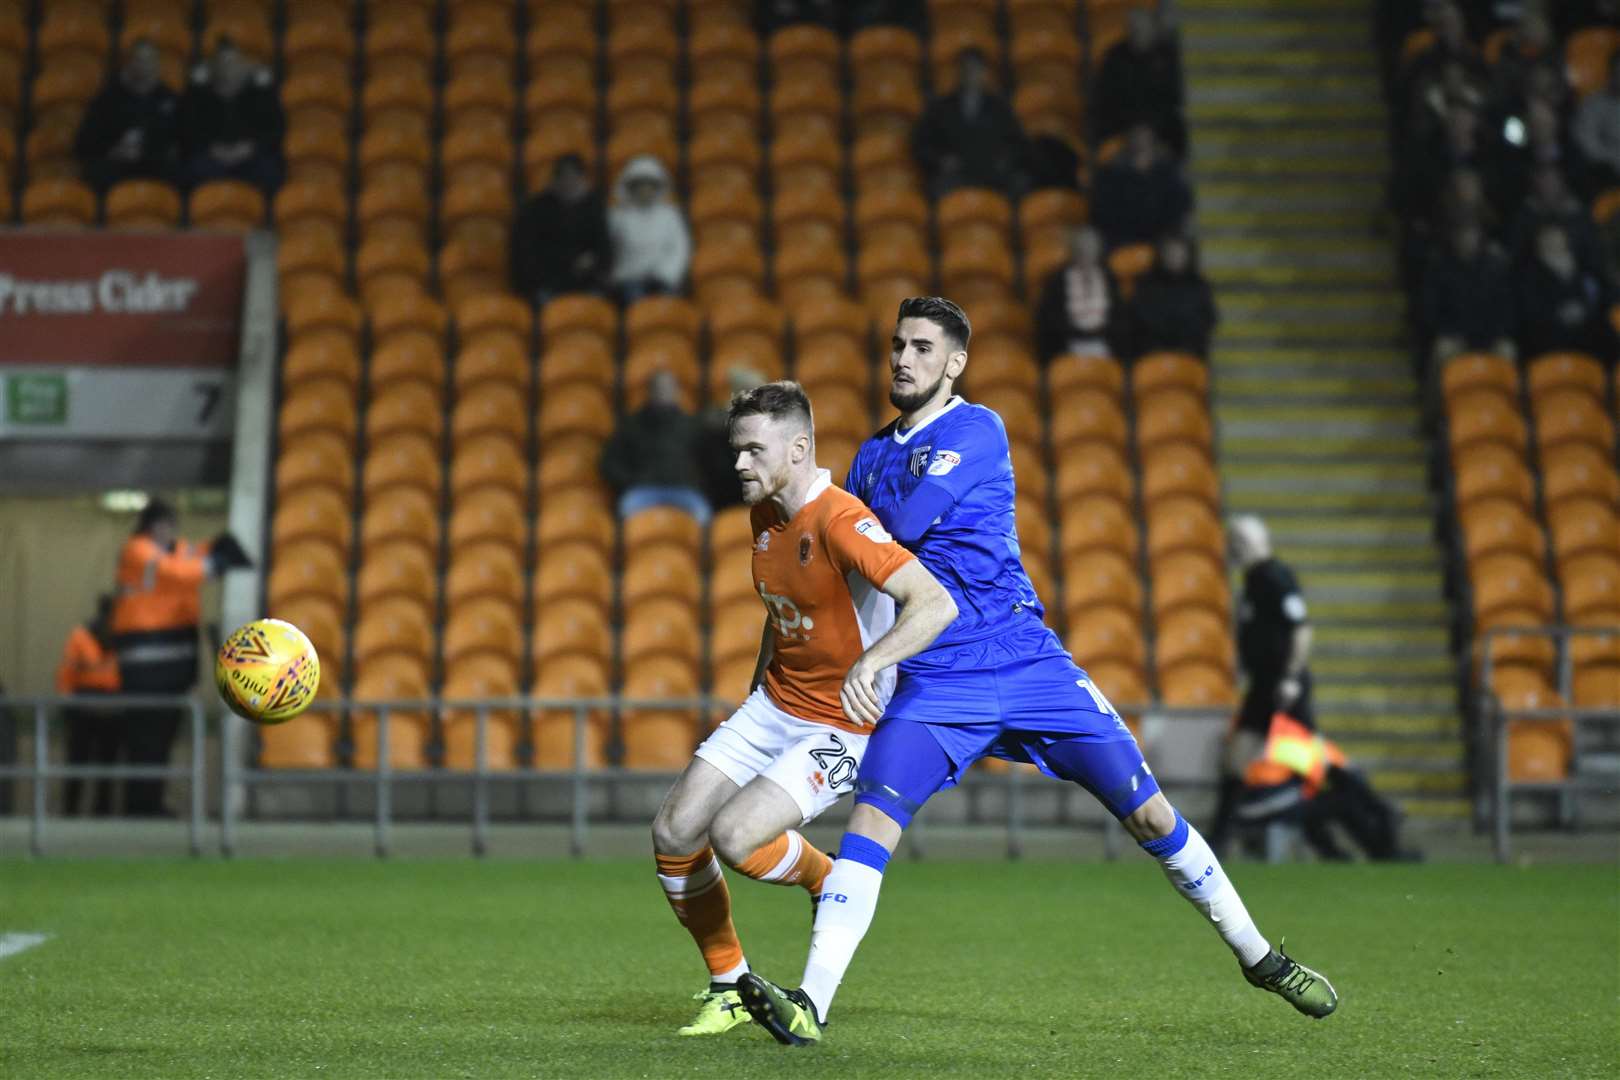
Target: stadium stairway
point(1317, 410)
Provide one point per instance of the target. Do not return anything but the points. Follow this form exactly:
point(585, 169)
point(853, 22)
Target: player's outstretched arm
point(926, 609)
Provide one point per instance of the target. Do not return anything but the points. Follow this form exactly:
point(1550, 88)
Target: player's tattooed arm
point(926, 609)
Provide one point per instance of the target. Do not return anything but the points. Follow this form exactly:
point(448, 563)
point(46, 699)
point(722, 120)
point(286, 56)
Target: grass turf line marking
point(12, 944)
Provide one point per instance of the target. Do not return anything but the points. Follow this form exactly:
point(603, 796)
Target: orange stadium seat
point(391, 678)
point(495, 515)
point(570, 626)
point(1196, 686)
point(395, 625)
point(308, 568)
point(402, 459)
point(409, 356)
point(397, 569)
point(1577, 470)
point(1493, 471)
point(1481, 416)
point(661, 627)
point(1100, 471)
point(487, 625)
point(1554, 372)
point(404, 407)
point(142, 204)
point(503, 728)
point(662, 525)
point(59, 203)
point(574, 515)
point(1510, 582)
point(570, 677)
point(1094, 524)
point(1167, 419)
point(1184, 524)
point(1480, 371)
point(1087, 417)
point(1572, 416)
point(494, 364)
point(1179, 469)
point(658, 572)
point(318, 405)
point(1106, 635)
point(1188, 580)
point(1193, 636)
point(570, 462)
point(321, 459)
point(318, 513)
point(1592, 586)
point(1068, 374)
point(1101, 579)
point(1497, 526)
point(488, 461)
point(1583, 526)
point(575, 408)
point(1587, 56)
point(573, 570)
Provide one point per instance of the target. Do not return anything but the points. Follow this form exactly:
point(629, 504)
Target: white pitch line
point(12, 944)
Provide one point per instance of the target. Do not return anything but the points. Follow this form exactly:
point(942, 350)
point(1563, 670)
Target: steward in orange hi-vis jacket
point(154, 624)
point(89, 666)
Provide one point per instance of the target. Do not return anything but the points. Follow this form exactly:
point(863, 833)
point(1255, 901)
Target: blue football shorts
point(1019, 696)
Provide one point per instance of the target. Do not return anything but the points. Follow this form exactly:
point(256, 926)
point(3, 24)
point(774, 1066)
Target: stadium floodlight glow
point(122, 501)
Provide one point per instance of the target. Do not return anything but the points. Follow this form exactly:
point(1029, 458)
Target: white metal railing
point(1493, 720)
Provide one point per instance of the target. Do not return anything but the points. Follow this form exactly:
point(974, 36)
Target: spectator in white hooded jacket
point(652, 247)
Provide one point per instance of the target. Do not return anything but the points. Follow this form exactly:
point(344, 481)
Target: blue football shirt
point(972, 548)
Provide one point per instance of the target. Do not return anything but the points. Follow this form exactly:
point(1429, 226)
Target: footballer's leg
point(755, 835)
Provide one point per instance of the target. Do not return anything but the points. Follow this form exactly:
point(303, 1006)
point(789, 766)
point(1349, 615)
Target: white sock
point(1197, 874)
point(848, 901)
point(733, 975)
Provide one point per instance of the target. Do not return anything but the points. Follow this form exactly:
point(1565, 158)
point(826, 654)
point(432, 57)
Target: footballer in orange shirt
point(843, 603)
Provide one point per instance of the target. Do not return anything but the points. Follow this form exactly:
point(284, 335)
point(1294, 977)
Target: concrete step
point(1255, 332)
point(1322, 418)
point(1298, 250)
point(1269, 89)
point(1240, 217)
point(1412, 724)
point(1347, 361)
point(1328, 670)
point(1397, 782)
point(1412, 753)
point(1255, 8)
point(1284, 276)
point(1269, 445)
point(1269, 503)
point(1337, 477)
point(1362, 613)
point(1434, 807)
point(1307, 559)
point(1293, 195)
point(1436, 695)
point(1323, 114)
point(1219, 141)
point(1257, 389)
point(1208, 29)
point(1406, 528)
point(1374, 643)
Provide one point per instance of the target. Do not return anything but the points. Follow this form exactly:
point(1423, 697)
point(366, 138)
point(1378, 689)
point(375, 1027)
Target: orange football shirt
point(821, 576)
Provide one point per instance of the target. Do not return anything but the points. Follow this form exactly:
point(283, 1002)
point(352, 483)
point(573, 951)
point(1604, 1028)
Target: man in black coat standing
point(130, 129)
point(560, 238)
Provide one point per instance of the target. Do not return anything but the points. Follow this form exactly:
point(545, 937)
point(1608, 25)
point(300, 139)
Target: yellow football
point(267, 671)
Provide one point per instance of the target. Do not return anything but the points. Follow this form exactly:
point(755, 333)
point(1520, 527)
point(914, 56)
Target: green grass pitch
point(336, 968)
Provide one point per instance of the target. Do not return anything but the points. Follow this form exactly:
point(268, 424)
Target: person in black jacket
point(1550, 202)
point(1565, 304)
point(1140, 83)
point(652, 458)
point(1173, 308)
point(232, 122)
point(130, 129)
point(560, 238)
point(1468, 297)
point(970, 137)
point(1140, 195)
point(1079, 309)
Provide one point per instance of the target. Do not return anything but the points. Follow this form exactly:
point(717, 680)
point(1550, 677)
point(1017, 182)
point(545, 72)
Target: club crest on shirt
point(804, 549)
point(944, 462)
point(919, 460)
point(764, 541)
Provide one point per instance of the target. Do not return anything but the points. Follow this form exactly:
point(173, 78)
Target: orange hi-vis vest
point(86, 667)
point(156, 615)
point(1292, 749)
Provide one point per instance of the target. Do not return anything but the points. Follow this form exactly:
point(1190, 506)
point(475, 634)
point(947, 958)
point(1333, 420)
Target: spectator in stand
point(1079, 311)
point(1597, 133)
point(859, 14)
point(89, 666)
point(1173, 308)
point(1551, 203)
point(1530, 46)
point(652, 459)
point(1542, 146)
point(652, 247)
point(560, 238)
point(1427, 164)
point(130, 129)
point(231, 121)
point(1451, 46)
point(1141, 194)
point(773, 15)
point(970, 137)
point(1565, 304)
point(1571, 15)
point(1432, 105)
point(1140, 83)
point(1468, 297)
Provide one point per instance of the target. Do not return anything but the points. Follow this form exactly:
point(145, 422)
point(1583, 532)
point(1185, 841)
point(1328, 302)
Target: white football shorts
point(814, 763)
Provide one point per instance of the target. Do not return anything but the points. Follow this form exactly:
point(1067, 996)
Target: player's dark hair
point(778, 400)
point(567, 161)
point(936, 309)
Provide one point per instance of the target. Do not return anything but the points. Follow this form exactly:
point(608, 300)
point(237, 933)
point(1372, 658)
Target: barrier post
point(198, 735)
point(228, 780)
point(384, 788)
point(480, 781)
point(576, 831)
point(42, 769)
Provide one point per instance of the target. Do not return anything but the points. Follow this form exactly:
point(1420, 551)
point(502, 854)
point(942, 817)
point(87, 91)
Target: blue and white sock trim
point(1166, 846)
point(865, 851)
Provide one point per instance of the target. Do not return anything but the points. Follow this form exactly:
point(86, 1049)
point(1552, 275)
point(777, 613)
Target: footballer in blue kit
point(996, 682)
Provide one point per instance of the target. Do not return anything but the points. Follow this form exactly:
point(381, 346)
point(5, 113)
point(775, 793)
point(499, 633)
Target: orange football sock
point(790, 859)
point(696, 890)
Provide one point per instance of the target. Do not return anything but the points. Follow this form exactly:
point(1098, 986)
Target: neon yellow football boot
point(721, 1011)
point(787, 1014)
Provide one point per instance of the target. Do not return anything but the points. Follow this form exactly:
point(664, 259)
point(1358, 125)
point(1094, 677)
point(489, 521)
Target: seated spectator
point(1550, 202)
point(129, 130)
point(231, 121)
point(560, 238)
point(1050, 159)
point(652, 457)
point(1173, 308)
point(1140, 83)
point(1530, 45)
point(652, 246)
point(1079, 309)
point(1424, 168)
point(1597, 133)
point(1468, 297)
point(907, 14)
point(1140, 195)
point(773, 15)
point(1565, 306)
point(1542, 146)
point(1432, 105)
point(970, 137)
point(1451, 46)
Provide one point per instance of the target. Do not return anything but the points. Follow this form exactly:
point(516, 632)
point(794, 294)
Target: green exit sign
point(37, 399)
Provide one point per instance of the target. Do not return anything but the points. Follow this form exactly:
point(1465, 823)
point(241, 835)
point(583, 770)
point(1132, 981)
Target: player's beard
point(906, 401)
